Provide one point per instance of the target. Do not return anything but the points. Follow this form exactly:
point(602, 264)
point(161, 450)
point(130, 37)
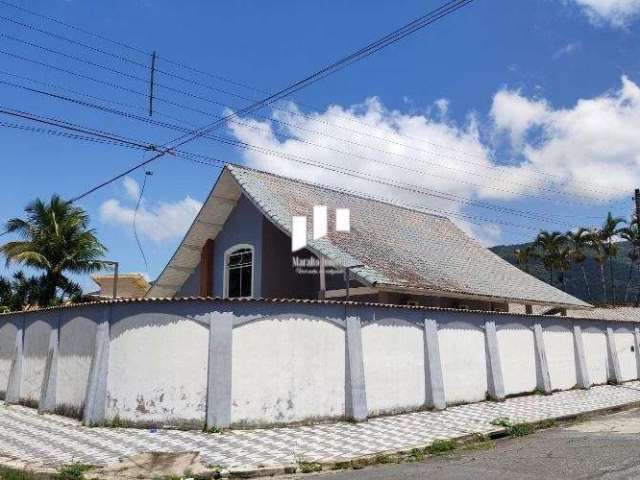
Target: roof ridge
point(345, 191)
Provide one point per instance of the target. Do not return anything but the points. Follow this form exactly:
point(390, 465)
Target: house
point(130, 285)
point(239, 245)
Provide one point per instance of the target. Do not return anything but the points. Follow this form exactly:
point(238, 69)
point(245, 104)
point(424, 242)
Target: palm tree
point(550, 244)
point(563, 263)
point(632, 235)
point(579, 242)
point(524, 256)
point(55, 238)
point(607, 233)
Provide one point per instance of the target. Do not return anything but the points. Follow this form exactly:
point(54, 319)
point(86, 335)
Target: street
point(607, 447)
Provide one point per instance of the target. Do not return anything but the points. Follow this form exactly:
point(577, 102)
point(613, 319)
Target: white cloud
point(617, 13)
point(568, 49)
point(371, 144)
point(594, 142)
point(516, 114)
point(132, 188)
point(158, 222)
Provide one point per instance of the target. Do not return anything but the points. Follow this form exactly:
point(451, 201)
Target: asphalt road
point(607, 447)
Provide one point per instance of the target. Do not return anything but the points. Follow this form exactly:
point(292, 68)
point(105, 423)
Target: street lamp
point(115, 266)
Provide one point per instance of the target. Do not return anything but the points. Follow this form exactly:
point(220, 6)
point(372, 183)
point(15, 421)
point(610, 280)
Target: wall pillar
point(356, 396)
point(219, 370)
point(636, 345)
point(49, 386)
point(542, 367)
point(581, 360)
point(14, 385)
point(615, 374)
point(494, 365)
point(434, 387)
point(95, 402)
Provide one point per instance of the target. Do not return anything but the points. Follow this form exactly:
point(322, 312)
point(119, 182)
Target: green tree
point(550, 244)
point(607, 234)
point(55, 238)
point(578, 244)
point(524, 256)
point(632, 235)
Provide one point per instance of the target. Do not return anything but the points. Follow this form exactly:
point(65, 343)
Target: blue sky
point(529, 105)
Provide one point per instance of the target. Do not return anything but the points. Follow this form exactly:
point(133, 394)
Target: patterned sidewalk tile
point(51, 440)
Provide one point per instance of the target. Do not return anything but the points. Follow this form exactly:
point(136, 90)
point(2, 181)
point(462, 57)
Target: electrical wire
point(135, 217)
point(297, 158)
point(226, 92)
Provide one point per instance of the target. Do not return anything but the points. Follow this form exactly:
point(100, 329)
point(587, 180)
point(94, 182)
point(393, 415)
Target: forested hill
point(575, 279)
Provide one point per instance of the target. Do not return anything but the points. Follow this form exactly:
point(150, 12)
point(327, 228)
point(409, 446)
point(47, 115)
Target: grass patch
point(442, 447)
point(479, 442)
point(521, 430)
point(386, 459)
point(212, 430)
point(417, 454)
point(13, 474)
point(73, 471)
point(309, 467)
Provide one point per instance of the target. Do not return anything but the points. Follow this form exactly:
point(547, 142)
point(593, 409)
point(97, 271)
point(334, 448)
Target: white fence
point(250, 363)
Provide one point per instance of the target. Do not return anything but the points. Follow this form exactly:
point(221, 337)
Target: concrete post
point(494, 365)
point(219, 370)
point(542, 367)
point(95, 402)
point(15, 372)
point(356, 396)
point(584, 381)
point(636, 345)
point(434, 387)
point(615, 374)
point(48, 389)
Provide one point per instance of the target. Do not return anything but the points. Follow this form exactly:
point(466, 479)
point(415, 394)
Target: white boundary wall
point(255, 363)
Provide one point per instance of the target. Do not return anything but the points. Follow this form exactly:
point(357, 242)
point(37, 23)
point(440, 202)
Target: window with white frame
point(238, 272)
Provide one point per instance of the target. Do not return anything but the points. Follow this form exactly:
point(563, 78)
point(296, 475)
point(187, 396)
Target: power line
point(349, 172)
point(397, 35)
point(226, 140)
point(135, 218)
point(335, 150)
point(281, 122)
point(128, 60)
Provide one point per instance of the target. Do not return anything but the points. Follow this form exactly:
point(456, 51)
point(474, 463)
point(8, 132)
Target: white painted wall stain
point(558, 342)
point(287, 370)
point(393, 365)
point(464, 366)
point(161, 370)
point(517, 357)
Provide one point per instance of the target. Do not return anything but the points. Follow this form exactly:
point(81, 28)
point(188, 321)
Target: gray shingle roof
point(399, 247)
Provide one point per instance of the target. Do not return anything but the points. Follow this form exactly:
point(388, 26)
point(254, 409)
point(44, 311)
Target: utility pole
point(636, 197)
point(151, 79)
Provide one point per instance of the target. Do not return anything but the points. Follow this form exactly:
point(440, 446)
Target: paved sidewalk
point(50, 440)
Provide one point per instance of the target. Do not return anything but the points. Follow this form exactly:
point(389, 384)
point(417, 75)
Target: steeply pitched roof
point(401, 248)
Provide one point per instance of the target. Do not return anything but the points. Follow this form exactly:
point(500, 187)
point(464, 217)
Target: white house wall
point(8, 331)
point(464, 366)
point(626, 353)
point(393, 352)
point(161, 360)
point(287, 369)
point(517, 353)
point(266, 363)
point(36, 346)
point(595, 347)
point(558, 342)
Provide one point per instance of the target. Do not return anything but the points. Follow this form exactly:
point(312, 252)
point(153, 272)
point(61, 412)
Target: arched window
point(238, 272)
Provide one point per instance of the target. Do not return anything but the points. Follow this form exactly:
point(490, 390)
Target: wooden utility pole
point(153, 71)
